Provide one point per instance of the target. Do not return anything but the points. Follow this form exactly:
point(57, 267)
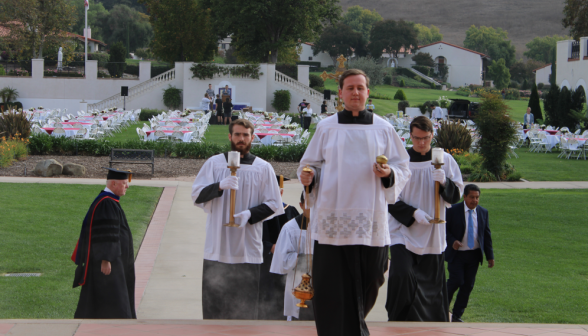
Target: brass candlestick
point(231, 222)
point(437, 219)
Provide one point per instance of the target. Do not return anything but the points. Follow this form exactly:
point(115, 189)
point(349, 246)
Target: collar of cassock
point(418, 157)
point(246, 159)
point(364, 117)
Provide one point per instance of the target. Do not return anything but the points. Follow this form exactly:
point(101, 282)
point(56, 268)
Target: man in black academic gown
point(416, 280)
point(105, 256)
point(271, 294)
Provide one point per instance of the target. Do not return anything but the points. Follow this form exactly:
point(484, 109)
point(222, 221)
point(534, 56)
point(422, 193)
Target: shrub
point(402, 105)
point(512, 94)
point(315, 81)
point(401, 83)
point(144, 53)
point(540, 86)
point(172, 97)
point(147, 113)
point(14, 105)
point(515, 176)
point(12, 149)
point(433, 86)
point(2, 71)
point(8, 94)
point(514, 85)
point(281, 101)
point(388, 80)
point(117, 60)
point(443, 102)
point(496, 133)
point(525, 85)
point(535, 103)
point(15, 125)
point(405, 72)
point(55, 73)
point(422, 69)
point(423, 59)
point(400, 95)
point(373, 69)
point(409, 82)
point(481, 175)
point(453, 135)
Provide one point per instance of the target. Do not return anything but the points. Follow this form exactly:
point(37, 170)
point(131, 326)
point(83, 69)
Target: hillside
point(522, 19)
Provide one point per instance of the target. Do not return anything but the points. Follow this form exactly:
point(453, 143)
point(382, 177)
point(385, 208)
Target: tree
point(491, 42)
point(428, 35)
point(535, 104)
point(289, 55)
point(541, 48)
point(564, 105)
point(523, 70)
point(374, 70)
point(394, 37)
point(135, 4)
point(96, 16)
point(261, 28)
point(552, 76)
point(576, 17)
point(361, 20)
point(117, 60)
point(550, 105)
point(127, 25)
point(181, 30)
point(499, 73)
point(34, 24)
point(424, 59)
point(339, 39)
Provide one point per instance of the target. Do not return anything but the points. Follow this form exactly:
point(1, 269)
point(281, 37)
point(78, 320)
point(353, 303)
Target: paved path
point(169, 270)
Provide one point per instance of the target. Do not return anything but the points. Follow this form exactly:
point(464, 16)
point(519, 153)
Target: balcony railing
point(575, 50)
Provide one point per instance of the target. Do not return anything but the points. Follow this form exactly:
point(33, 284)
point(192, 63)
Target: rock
point(48, 168)
point(74, 169)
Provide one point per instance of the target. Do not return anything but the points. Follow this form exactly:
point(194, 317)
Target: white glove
point(439, 176)
point(229, 182)
point(242, 217)
point(422, 217)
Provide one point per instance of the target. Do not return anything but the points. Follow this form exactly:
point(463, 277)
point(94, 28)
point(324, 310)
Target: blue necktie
point(470, 230)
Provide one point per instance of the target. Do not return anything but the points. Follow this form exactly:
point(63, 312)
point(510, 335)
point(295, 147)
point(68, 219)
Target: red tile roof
point(82, 38)
point(455, 46)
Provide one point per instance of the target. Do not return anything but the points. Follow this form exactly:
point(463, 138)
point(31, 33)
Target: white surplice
point(257, 185)
point(420, 193)
point(350, 204)
point(290, 245)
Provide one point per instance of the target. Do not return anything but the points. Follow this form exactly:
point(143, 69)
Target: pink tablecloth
point(73, 123)
point(167, 132)
point(51, 129)
point(551, 132)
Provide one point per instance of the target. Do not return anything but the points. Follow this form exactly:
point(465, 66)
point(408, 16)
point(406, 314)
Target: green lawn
point(548, 167)
point(39, 228)
point(419, 96)
point(540, 274)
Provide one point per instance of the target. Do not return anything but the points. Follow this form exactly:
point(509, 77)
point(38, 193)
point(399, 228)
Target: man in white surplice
point(349, 207)
point(416, 281)
point(232, 256)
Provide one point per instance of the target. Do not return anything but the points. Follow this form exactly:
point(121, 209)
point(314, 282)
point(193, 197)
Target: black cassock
point(271, 285)
point(105, 235)
point(417, 290)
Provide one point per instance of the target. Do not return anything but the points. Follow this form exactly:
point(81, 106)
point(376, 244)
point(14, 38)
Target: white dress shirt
point(108, 190)
point(464, 241)
point(307, 111)
point(437, 113)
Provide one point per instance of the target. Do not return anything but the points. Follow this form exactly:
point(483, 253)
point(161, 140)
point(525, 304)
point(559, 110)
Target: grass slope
point(540, 274)
point(39, 227)
point(522, 19)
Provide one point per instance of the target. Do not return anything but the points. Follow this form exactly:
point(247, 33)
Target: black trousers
point(346, 281)
point(462, 276)
point(416, 287)
point(306, 122)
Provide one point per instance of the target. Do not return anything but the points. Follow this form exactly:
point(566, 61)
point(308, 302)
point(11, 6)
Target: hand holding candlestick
point(234, 161)
point(437, 161)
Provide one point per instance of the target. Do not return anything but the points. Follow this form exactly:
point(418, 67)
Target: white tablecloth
point(187, 136)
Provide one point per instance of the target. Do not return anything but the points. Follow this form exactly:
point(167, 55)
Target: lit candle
point(437, 155)
point(234, 159)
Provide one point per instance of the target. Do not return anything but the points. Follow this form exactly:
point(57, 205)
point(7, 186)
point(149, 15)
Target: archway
point(582, 84)
point(566, 84)
point(441, 67)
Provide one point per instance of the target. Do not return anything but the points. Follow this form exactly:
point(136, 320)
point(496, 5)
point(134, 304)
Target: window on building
point(310, 58)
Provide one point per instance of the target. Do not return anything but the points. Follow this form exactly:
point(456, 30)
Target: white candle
point(437, 155)
point(234, 159)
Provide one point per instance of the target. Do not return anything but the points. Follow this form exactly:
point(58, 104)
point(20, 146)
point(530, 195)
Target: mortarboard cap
point(116, 174)
point(283, 179)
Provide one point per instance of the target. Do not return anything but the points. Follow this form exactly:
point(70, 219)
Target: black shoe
point(456, 319)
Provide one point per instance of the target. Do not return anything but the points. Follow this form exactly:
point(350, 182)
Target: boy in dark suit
point(468, 236)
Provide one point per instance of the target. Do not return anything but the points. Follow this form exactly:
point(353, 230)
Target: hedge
point(43, 144)
point(4, 106)
point(147, 113)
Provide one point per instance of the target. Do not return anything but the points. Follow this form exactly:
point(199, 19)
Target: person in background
point(436, 112)
point(324, 107)
point(219, 109)
point(307, 116)
point(370, 106)
point(301, 106)
point(205, 103)
point(228, 107)
point(210, 94)
point(468, 238)
point(225, 91)
point(528, 119)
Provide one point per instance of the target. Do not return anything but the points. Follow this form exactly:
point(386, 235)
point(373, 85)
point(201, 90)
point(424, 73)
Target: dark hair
point(353, 72)
point(471, 187)
point(423, 123)
point(206, 95)
point(242, 122)
point(217, 96)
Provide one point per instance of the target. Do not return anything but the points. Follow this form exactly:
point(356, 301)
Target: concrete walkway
point(169, 268)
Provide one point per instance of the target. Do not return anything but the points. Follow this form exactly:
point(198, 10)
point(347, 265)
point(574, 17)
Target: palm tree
point(8, 94)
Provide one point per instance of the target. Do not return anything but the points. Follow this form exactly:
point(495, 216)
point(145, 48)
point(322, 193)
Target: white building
point(465, 66)
point(307, 56)
point(93, 44)
point(224, 44)
point(542, 74)
point(572, 64)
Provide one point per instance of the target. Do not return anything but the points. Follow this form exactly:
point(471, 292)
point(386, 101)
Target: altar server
point(105, 256)
point(349, 221)
point(290, 258)
point(232, 256)
point(416, 281)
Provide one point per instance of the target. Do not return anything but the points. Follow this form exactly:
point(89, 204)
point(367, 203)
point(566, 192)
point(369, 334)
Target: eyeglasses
point(420, 139)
